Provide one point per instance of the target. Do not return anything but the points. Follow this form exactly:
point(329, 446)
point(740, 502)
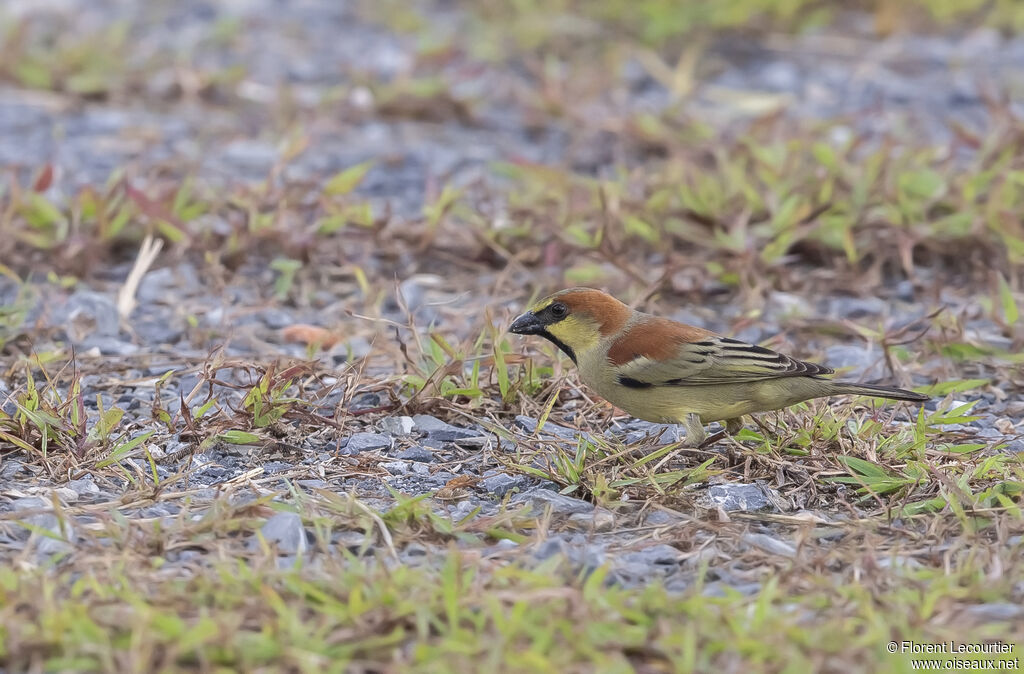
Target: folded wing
point(710, 359)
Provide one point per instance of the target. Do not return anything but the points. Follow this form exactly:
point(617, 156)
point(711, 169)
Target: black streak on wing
point(749, 348)
point(629, 382)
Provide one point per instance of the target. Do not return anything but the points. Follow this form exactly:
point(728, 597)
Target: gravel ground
point(317, 60)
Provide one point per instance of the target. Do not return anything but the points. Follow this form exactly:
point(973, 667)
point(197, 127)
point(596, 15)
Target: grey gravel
point(739, 497)
point(285, 530)
point(867, 363)
point(31, 133)
point(396, 467)
point(994, 612)
point(499, 484)
point(529, 424)
point(62, 528)
point(435, 429)
point(84, 487)
point(417, 454)
point(397, 425)
point(587, 556)
point(560, 504)
point(769, 544)
point(659, 517)
point(86, 312)
point(368, 442)
point(659, 554)
point(600, 519)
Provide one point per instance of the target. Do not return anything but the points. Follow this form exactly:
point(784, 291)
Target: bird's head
point(575, 320)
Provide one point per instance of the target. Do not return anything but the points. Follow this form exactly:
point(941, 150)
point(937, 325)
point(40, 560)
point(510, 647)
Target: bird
point(660, 370)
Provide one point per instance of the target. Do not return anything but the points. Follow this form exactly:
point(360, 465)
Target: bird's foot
point(734, 425)
point(696, 437)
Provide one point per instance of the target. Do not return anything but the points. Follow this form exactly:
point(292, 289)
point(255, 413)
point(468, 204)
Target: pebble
point(658, 554)
point(285, 531)
point(367, 442)
point(421, 454)
point(435, 429)
point(396, 467)
point(867, 363)
point(769, 544)
point(993, 612)
point(62, 528)
point(397, 425)
point(499, 483)
point(600, 519)
point(88, 312)
point(739, 497)
point(529, 424)
point(560, 504)
point(659, 517)
point(167, 284)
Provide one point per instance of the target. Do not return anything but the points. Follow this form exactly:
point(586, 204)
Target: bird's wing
point(711, 359)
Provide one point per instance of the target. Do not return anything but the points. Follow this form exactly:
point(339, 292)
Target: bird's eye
point(559, 310)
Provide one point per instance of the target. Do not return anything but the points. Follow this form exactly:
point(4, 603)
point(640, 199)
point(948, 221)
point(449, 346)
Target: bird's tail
point(890, 392)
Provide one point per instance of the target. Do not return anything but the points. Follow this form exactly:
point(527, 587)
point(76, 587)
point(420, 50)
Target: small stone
point(476, 442)
point(435, 429)
point(66, 495)
point(10, 468)
point(994, 612)
point(285, 530)
point(89, 312)
point(364, 401)
point(106, 345)
point(396, 467)
point(420, 468)
point(601, 519)
point(579, 553)
point(769, 544)
point(550, 548)
point(530, 424)
point(275, 319)
point(642, 430)
point(415, 550)
point(421, 454)
point(500, 484)
point(659, 554)
point(704, 555)
point(720, 589)
point(366, 442)
point(739, 497)
point(1014, 409)
point(659, 517)
point(867, 363)
point(163, 286)
point(61, 527)
point(30, 503)
point(786, 305)
point(1014, 447)
point(856, 307)
point(397, 425)
point(560, 504)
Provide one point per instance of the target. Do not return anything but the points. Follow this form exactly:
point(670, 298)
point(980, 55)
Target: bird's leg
point(695, 435)
point(734, 425)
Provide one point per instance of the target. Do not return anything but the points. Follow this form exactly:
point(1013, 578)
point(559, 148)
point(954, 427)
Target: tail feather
point(890, 392)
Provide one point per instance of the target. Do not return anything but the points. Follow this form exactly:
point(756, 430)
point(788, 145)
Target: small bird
point(664, 371)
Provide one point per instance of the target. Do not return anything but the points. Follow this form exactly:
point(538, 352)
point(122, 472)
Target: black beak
point(527, 324)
